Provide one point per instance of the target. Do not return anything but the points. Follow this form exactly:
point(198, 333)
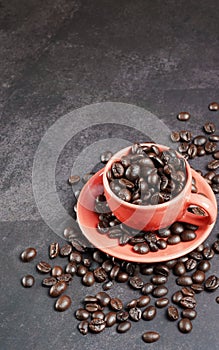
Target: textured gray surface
point(57, 56)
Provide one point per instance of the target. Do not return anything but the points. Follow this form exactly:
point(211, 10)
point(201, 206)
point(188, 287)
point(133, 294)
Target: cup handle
point(204, 203)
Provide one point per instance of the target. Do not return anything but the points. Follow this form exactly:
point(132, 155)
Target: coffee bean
point(75, 257)
point(110, 318)
point(185, 325)
point(158, 279)
point(107, 285)
point(162, 270)
point(171, 263)
point(215, 179)
point(105, 156)
point(43, 267)
point(149, 313)
point(150, 337)
point(192, 151)
point(141, 248)
point(200, 140)
point(146, 269)
point(122, 316)
point(183, 147)
point(200, 151)
point(147, 288)
point(175, 136)
point(188, 302)
point(209, 128)
point(162, 302)
point(210, 147)
point(216, 155)
point(74, 179)
point(190, 264)
point(159, 291)
point(71, 268)
point(57, 289)
point(184, 281)
point(53, 250)
point(92, 307)
point(83, 327)
point(63, 303)
point(189, 313)
point(215, 246)
point(100, 274)
point(204, 265)
point(213, 106)
point(28, 281)
point(213, 165)
point(176, 297)
point(179, 269)
point(114, 272)
point(197, 288)
point(135, 314)
point(122, 277)
point(65, 277)
point(213, 138)
point(164, 233)
point(183, 116)
point(208, 253)
point(173, 239)
point(49, 281)
point(187, 292)
point(136, 282)
point(188, 235)
point(123, 327)
point(172, 313)
point(82, 314)
point(88, 279)
point(211, 283)
point(57, 271)
point(185, 135)
point(79, 246)
point(116, 304)
point(103, 298)
point(143, 301)
point(196, 255)
point(81, 270)
point(97, 325)
point(217, 300)
point(28, 254)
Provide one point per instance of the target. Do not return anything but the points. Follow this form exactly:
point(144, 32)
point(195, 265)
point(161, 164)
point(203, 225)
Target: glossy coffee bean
point(49, 281)
point(149, 313)
point(135, 314)
point(107, 285)
point(200, 140)
point(110, 318)
point(83, 327)
point(75, 257)
point(53, 250)
point(162, 270)
point(162, 302)
point(71, 268)
point(216, 155)
point(198, 276)
point(146, 270)
point(215, 246)
point(143, 301)
point(28, 281)
point(185, 135)
point(147, 288)
point(187, 235)
point(97, 325)
point(213, 106)
point(175, 136)
point(43, 267)
point(123, 327)
point(158, 279)
point(188, 302)
point(103, 298)
point(179, 269)
point(159, 291)
point(105, 156)
point(57, 289)
point(65, 250)
point(81, 270)
point(88, 279)
point(136, 282)
point(187, 292)
point(209, 128)
point(176, 297)
point(122, 316)
point(141, 248)
point(116, 304)
point(185, 325)
point(150, 337)
point(28, 254)
point(173, 239)
point(190, 264)
point(74, 179)
point(57, 271)
point(189, 313)
point(210, 147)
point(63, 303)
point(100, 274)
point(82, 314)
point(211, 283)
point(183, 116)
point(184, 281)
point(197, 288)
point(208, 253)
point(172, 313)
point(213, 164)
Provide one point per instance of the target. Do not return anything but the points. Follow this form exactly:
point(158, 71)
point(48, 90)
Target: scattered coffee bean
point(65, 277)
point(188, 302)
point(200, 140)
point(208, 253)
point(123, 327)
point(162, 302)
point(147, 288)
point(216, 155)
point(217, 300)
point(187, 292)
point(185, 325)
point(142, 301)
point(162, 270)
point(211, 283)
point(183, 116)
point(213, 106)
point(28, 281)
point(210, 147)
point(83, 327)
point(88, 279)
point(209, 128)
point(63, 303)
point(105, 156)
point(149, 313)
point(159, 291)
point(184, 281)
point(65, 250)
point(213, 164)
point(49, 281)
point(150, 337)
point(179, 269)
point(57, 289)
point(197, 288)
point(190, 264)
point(82, 314)
point(53, 250)
point(103, 298)
point(136, 282)
point(56, 271)
point(97, 325)
point(135, 314)
point(122, 316)
point(188, 235)
point(215, 246)
point(175, 136)
point(110, 318)
point(176, 297)
point(71, 268)
point(172, 313)
point(189, 313)
point(43, 267)
point(28, 254)
point(158, 279)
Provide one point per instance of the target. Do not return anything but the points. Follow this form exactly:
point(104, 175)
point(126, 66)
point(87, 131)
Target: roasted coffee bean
point(141, 248)
point(97, 325)
point(200, 140)
point(185, 325)
point(208, 253)
point(189, 313)
point(28, 254)
point(216, 155)
point(162, 302)
point(28, 281)
point(114, 272)
point(184, 281)
point(211, 283)
point(192, 151)
point(43, 267)
point(79, 246)
point(172, 313)
point(83, 327)
point(103, 298)
point(204, 265)
point(124, 194)
point(105, 156)
point(213, 138)
point(82, 314)
point(215, 188)
point(57, 271)
point(107, 285)
point(209, 128)
point(136, 282)
point(158, 279)
point(161, 244)
point(215, 246)
point(185, 135)
point(87, 262)
point(143, 301)
point(117, 170)
point(147, 288)
point(200, 248)
point(188, 302)
point(176, 297)
point(88, 279)
point(63, 303)
point(198, 276)
point(57, 289)
point(133, 172)
point(162, 270)
point(190, 264)
point(173, 239)
point(100, 274)
point(175, 136)
point(159, 291)
point(122, 316)
point(116, 304)
point(149, 313)
point(171, 263)
point(122, 277)
point(49, 281)
point(200, 151)
point(213, 106)
point(123, 327)
point(210, 147)
point(183, 147)
point(196, 255)
point(187, 235)
point(183, 116)
point(81, 270)
point(65, 277)
point(135, 314)
point(65, 250)
point(213, 164)
point(150, 337)
point(71, 268)
point(187, 292)
point(91, 307)
point(164, 233)
point(75, 257)
point(53, 250)
point(90, 299)
point(215, 179)
point(197, 288)
point(146, 269)
point(217, 300)
point(179, 269)
point(110, 318)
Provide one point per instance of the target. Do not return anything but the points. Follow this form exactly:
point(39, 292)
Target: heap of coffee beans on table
point(147, 176)
point(105, 309)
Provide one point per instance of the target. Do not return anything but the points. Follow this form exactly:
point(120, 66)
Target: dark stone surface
point(61, 55)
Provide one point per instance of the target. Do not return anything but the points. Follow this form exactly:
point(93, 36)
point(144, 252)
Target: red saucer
point(88, 219)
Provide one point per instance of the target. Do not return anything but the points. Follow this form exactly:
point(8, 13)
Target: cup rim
point(124, 151)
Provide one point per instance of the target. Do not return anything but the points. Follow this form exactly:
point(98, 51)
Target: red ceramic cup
point(155, 217)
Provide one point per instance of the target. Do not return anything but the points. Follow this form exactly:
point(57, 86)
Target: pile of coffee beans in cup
point(147, 176)
point(106, 309)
